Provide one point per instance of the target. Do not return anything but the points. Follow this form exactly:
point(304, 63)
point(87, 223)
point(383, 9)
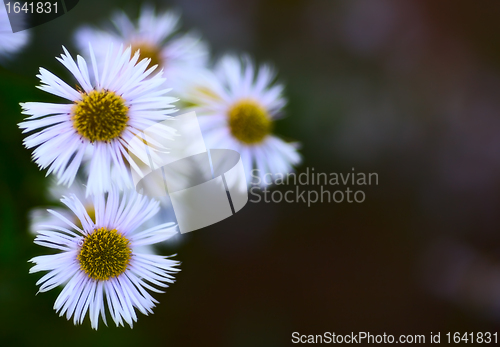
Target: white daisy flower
point(104, 115)
point(155, 35)
point(99, 262)
point(237, 106)
point(10, 43)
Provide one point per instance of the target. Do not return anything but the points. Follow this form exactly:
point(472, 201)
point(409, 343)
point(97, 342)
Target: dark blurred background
point(406, 89)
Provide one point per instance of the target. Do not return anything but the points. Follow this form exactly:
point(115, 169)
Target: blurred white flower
point(10, 43)
point(100, 263)
point(156, 36)
point(238, 105)
point(104, 115)
point(38, 217)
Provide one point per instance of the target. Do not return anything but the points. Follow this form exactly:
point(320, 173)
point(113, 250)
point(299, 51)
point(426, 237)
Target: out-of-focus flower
point(238, 105)
point(10, 43)
point(155, 35)
point(105, 114)
point(38, 217)
point(100, 259)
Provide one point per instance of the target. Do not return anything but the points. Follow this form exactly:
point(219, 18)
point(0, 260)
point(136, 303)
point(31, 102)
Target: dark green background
point(407, 89)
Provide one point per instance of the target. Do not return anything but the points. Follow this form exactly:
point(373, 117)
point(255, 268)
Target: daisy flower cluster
point(128, 76)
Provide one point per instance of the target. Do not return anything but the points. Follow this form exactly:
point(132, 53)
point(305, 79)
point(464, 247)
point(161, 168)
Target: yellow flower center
point(100, 115)
point(104, 254)
point(249, 122)
point(148, 50)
